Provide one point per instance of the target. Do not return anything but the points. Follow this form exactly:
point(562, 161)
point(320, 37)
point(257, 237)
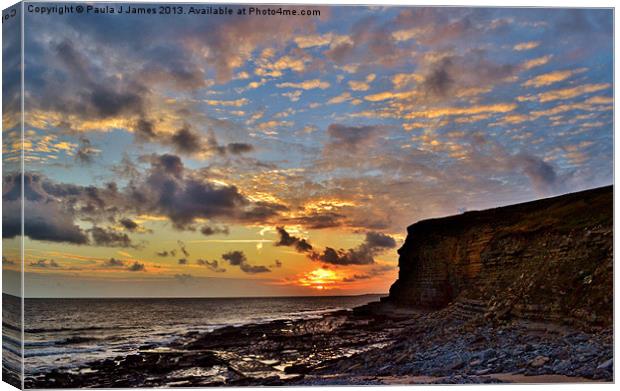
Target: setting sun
point(320, 279)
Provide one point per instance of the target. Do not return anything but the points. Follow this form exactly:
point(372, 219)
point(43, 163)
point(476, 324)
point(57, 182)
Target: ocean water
point(62, 333)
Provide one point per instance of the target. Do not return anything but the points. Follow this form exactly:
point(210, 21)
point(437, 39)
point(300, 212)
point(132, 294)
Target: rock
point(562, 366)
point(297, 368)
point(269, 362)
point(539, 361)
point(487, 354)
point(607, 365)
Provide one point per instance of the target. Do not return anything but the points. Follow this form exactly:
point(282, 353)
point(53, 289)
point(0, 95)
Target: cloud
point(235, 258)
point(541, 174)
point(318, 220)
point(401, 80)
point(536, 62)
point(364, 254)
point(144, 130)
point(306, 85)
point(526, 46)
point(183, 261)
point(129, 224)
point(379, 240)
point(345, 96)
point(238, 258)
point(316, 40)
point(374, 272)
point(211, 265)
point(185, 140)
point(44, 263)
point(182, 247)
point(362, 85)
point(254, 269)
point(85, 154)
point(551, 78)
point(453, 76)
point(286, 239)
point(87, 93)
point(344, 138)
point(165, 253)
point(462, 111)
point(239, 148)
point(113, 262)
point(136, 267)
point(234, 103)
point(46, 219)
point(440, 81)
point(293, 95)
point(109, 238)
point(208, 230)
point(170, 189)
point(572, 92)
point(370, 42)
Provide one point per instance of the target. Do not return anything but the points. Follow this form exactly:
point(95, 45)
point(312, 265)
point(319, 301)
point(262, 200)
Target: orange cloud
point(569, 93)
point(551, 77)
point(526, 46)
point(536, 62)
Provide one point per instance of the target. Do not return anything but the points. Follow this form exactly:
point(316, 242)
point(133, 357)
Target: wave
point(61, 342)
point(57, 352)
point(89, 328)
point(11, 326)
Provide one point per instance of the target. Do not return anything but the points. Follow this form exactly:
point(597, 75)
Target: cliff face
point(550, 259)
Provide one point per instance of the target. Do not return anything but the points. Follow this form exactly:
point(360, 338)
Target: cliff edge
point(550, 259)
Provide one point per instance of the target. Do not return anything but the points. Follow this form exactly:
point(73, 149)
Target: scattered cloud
point(136, 267)
point(526, 46)
point(364, 254)
point(211, 265)
point(286, 239)
point(238, 258)
point(112, 263)
point(44, 263)
point(306, 85)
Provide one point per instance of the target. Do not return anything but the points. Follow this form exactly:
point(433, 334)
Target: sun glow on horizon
point(320, 279)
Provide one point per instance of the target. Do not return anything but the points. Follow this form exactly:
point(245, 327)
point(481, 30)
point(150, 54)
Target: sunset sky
point(248, 156)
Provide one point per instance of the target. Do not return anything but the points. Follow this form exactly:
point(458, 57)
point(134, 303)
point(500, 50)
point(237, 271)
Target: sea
point(66, 333)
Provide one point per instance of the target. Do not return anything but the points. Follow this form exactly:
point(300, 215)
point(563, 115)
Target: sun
point(320, 279)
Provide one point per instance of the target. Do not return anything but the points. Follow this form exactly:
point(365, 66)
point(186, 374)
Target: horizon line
point(195, 297)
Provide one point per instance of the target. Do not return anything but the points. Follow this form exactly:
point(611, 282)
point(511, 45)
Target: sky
point(197, 155)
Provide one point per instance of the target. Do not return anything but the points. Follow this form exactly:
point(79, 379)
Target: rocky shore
point(375, 344)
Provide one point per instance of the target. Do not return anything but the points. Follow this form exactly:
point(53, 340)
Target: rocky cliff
point(550, 259)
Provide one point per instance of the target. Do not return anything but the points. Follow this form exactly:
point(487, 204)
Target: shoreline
point(372, 344)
